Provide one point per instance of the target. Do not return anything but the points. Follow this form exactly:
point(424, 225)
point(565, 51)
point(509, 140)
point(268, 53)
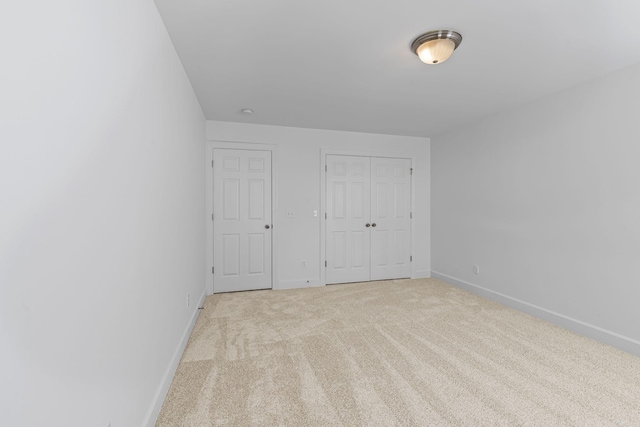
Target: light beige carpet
point(394, 353)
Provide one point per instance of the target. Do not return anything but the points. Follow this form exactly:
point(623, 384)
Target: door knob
point(368, 225)
point(267, 226)
point(373, 225)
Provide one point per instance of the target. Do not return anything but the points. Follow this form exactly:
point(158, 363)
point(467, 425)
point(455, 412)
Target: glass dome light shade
point(435, 51)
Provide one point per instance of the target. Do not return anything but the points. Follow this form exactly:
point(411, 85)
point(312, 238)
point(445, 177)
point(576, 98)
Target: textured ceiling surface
point(346, 64)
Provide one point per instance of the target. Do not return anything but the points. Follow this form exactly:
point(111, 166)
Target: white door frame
point(323, 198)
point(210, 145)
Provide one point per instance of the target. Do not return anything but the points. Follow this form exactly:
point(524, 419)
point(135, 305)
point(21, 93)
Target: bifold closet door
point(241, 220)
point(390, 218)
point(348, 203)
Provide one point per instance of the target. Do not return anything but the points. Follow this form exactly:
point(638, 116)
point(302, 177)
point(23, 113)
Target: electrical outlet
point(476, 269)
point(188, 300)
point(304, 264)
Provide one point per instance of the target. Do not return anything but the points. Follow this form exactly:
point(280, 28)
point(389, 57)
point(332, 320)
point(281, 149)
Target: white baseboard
point(422, 274)
point(313, 283)
point(161, 393)
point(296, 284)
point(599, 334)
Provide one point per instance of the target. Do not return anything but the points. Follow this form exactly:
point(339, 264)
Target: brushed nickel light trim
point(454, 36)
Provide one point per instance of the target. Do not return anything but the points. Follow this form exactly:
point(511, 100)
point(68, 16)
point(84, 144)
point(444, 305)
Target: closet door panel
point(391, 214)
point(348, 206)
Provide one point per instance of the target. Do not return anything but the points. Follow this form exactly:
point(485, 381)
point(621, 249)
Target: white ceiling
point(346, 64)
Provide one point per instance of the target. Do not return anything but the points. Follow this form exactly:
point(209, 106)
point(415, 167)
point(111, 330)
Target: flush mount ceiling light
point(435, 47)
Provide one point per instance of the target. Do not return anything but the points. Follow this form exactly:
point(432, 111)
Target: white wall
point(298, 160)
point(545, 199)
point(101, 218)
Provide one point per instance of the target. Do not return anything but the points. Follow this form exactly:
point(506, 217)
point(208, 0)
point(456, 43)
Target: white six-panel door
point(368, 224)
point(390, 218)
point(242, 220)
point(348, 211)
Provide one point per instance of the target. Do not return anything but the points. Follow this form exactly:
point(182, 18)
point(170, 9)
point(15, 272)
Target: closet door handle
point(373, 225)
point(368, 225)
point(267, 226)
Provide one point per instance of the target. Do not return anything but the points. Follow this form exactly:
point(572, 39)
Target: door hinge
point(325, 215)
point(411, 258)
point(211, 163)
point(212, 270)
point(325, 264)
point(411, 171)
point(325, 168)
point(211, 217)
point(411, 215)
